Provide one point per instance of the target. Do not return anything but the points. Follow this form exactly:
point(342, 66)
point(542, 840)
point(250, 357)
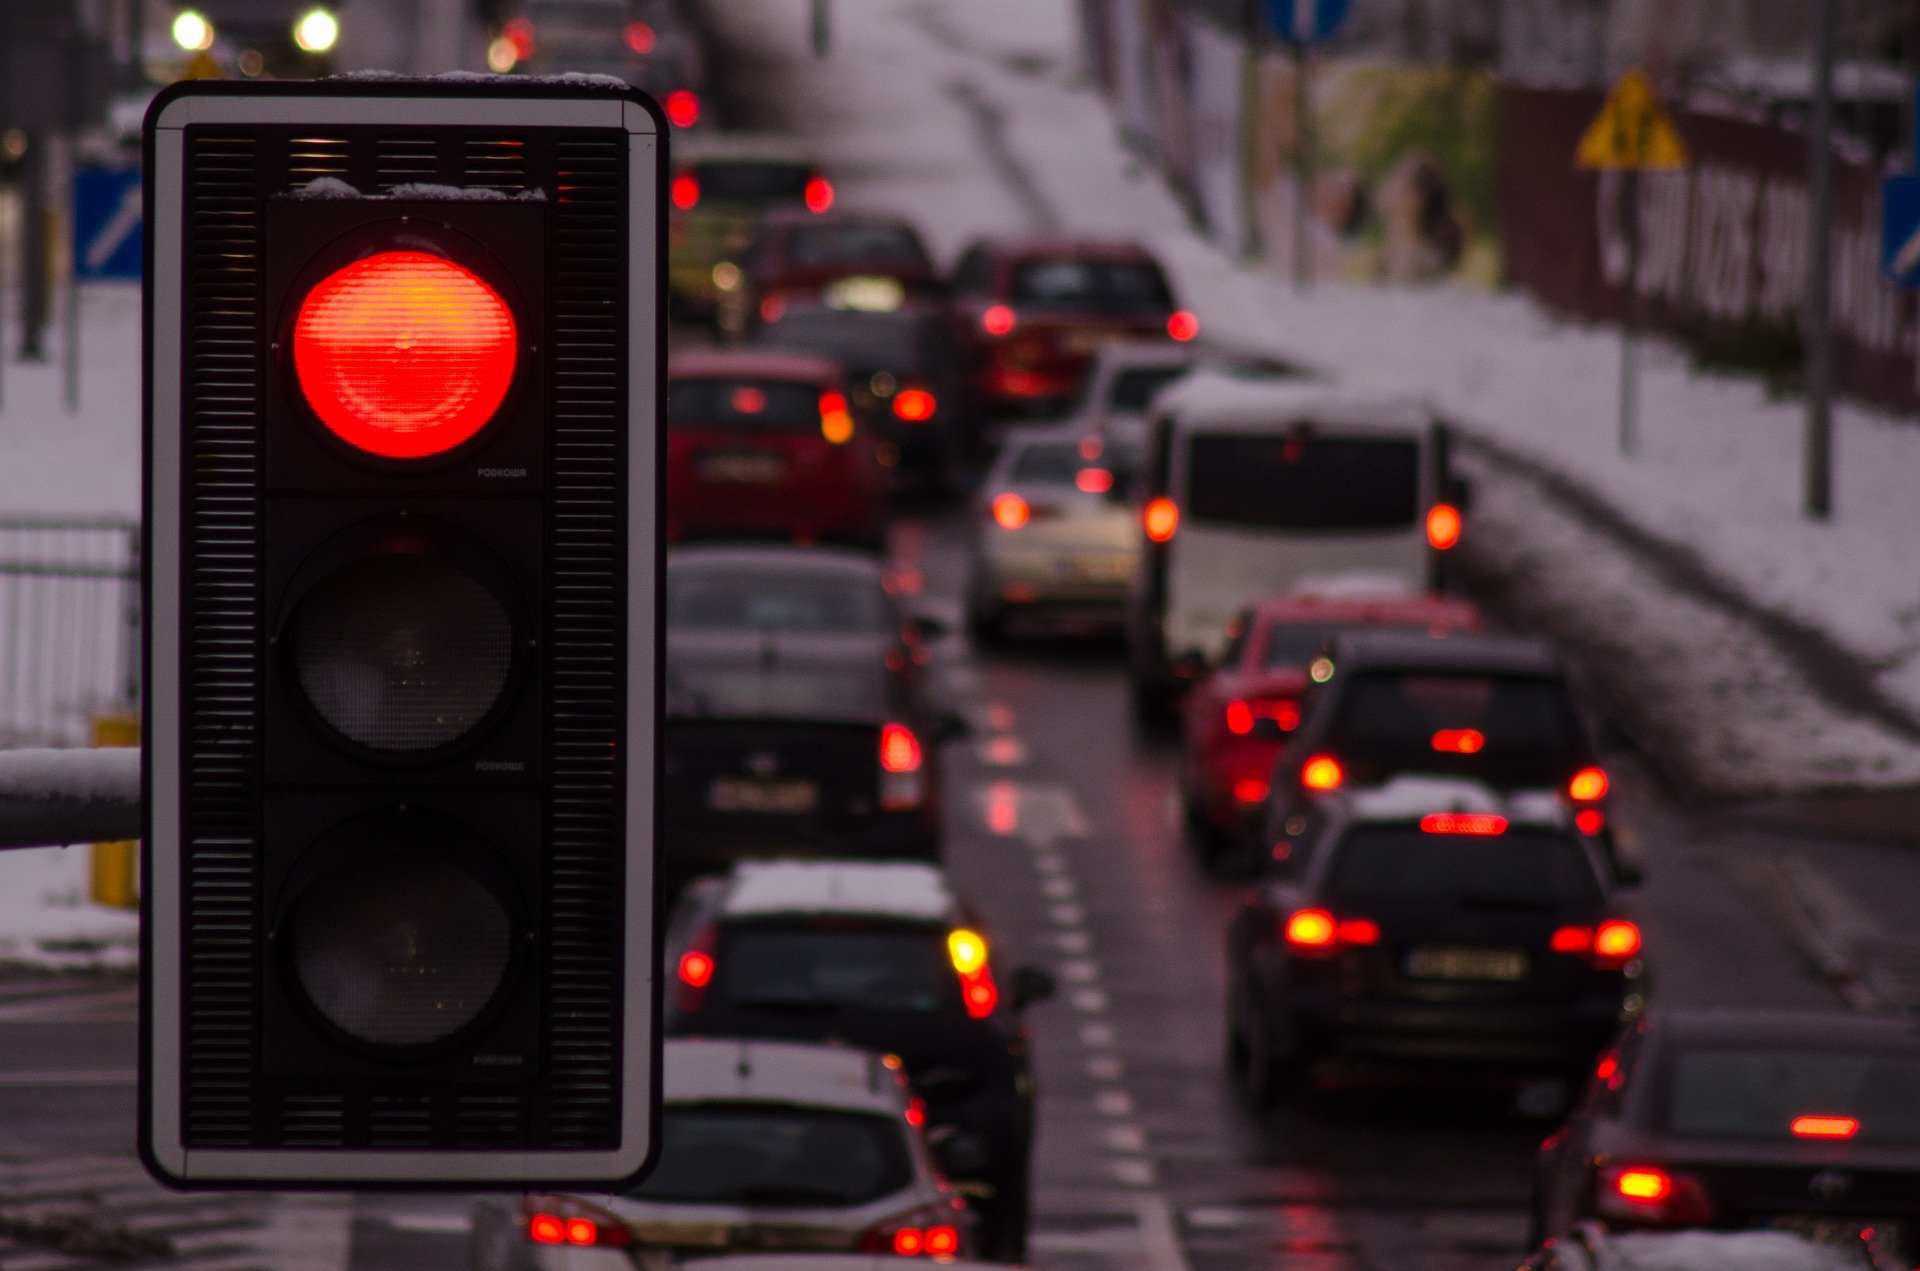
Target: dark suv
point(1430, 920)
point(883, 955)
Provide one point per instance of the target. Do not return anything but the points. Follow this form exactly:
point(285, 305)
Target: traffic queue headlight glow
point(404, 355)
point(192, 32)
point(317, 31)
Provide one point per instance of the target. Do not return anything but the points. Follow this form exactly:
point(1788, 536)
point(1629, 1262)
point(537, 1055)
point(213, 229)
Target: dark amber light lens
point(404, 354)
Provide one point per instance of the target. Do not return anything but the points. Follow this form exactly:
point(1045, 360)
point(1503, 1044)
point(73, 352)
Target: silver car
point(765, 1146)
point(1127, 377)
point(1054, 532)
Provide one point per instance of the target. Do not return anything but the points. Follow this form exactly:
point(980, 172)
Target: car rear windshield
point(1520, 869)
point(835, 966)
point(1759, 1093)
point(1061, 462)
point(1384, 713)
point(1100, 286)
point(862, 342)
point(752, 405)
point(1302, 482)
point(752, 181)
point(888, 245)
point(1132, 391)
point(1293, 645)
point(776, 1155)
point(741, 598)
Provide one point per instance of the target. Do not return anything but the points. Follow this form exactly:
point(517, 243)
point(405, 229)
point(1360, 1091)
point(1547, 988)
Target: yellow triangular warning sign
point(1631, 131)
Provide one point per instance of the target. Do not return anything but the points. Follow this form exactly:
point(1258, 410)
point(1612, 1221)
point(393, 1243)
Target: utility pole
point(1303, 159)
point(1818, 328)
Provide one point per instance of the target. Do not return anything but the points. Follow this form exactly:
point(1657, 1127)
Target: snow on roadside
point(47, 922)
point(86, 462)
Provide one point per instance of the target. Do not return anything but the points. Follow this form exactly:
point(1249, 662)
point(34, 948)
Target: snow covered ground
point(46, 920)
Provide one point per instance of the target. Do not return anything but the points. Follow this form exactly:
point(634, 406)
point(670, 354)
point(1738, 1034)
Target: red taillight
point(979, 993)
point(641, 38)
point(1249, 789)
point(1460, 741)
point(998, 320)
point(1243, 715)
point(682, 107)
point(819, 194)
point(1443, 526)
point(1643, 1184)
point(1590, 821)
point(1571, 940)
point(1322, 773)
point(1825, 1127)
point(1316, 933)
point(773, 308)
point(1239, 718)
point(1183, 326)
point(1010, 511)
point(1616, 940)
point(519, 33)
point(1589, 785)
point(1160, 518)
point(685, 191)
point(899, 749)
point(694, 972)
point(914, 405)
point(836, 421)
point(1649, 1194)
point(696, 969)
point(1093, 480)
point(942, 1242)
point(916, 1112)
point(747, 400)
point(577, 1229)
point(1479, 823)
point(404, 354)
point(547, 1229)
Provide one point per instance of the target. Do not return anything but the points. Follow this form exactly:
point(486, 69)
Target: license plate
point(1083, 341)
point(1104, 569)
point(746, 467)
point(1432, 963)
point(743, 794)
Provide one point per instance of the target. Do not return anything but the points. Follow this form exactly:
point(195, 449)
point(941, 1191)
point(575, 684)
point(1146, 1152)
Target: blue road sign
point(1900, 230)
point(1307, 21)
point(106, 223)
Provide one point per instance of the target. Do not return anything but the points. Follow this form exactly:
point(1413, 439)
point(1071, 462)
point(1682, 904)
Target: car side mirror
point(950, 726)
point(929, 627)
point(1029, 985)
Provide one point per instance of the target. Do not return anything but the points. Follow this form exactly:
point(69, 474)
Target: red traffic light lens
point(404, 354)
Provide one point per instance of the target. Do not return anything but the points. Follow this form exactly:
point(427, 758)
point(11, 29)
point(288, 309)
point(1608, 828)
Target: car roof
point(1219, 399)
point(712, 1070)
point(815, 559)
point(1299, 606)
point(910, 308)
point(698, 147)
point(754, 363)
point(869, 889)
point(1453, 651)
point(1057, 246)
point(1411, 796)
point(1705, 1026)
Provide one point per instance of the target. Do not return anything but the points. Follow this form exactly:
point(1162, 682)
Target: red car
point(1038, 310)
point(854, 260)
point(1235, 721)
point(763, 444)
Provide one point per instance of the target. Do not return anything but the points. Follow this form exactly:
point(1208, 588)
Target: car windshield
point(1759, 1092)
point(741, 598)
point(1131, 391)
point(752, 181)
point(830, 967)
point(878, 245)
point(1061, 463)
point(1520, 869)
point(766, 1156)
point(1387, 713)
point(754, 405)
point(860, 341)
point(1299, 481)
point(1097, 285)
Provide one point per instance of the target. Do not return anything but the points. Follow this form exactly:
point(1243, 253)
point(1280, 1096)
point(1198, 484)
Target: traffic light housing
point(404, 344)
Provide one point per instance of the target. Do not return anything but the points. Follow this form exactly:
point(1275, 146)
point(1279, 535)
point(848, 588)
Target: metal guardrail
point(51, 797)
point(69, 626)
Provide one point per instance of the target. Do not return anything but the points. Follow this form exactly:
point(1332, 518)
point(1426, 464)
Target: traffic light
point(404, 344)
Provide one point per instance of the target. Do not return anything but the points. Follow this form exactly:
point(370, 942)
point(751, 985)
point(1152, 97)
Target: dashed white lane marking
point(1159, 1234)
point(1057, 888)
point(1097, 1036)
point(1002, 751)
point(1080, 971)
point(1112, 1101)
point(1050, 863)
point(1125, 1139)
point(1222, 1219)
point(1067, 915)
point(1133, 1171)
point(1088, 1001)
point(1073, 941)
point(431, 1224)
point(1104, 1067)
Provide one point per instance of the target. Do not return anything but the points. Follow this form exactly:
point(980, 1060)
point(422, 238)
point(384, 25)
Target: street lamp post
point(1818, 329)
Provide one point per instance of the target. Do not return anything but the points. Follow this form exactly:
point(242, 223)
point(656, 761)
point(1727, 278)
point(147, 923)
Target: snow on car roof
point(888, 889)
point(1218, 399)
point(707, 1070)
point(1413, 795)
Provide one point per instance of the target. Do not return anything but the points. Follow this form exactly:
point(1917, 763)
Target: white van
point(1253, 487)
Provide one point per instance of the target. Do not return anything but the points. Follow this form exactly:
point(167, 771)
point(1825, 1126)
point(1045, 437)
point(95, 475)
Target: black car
point(1801, 1121)
point(1492, 708)
point(797, 719)
point(905, 377)
point(1429, 921)
point(882, 955)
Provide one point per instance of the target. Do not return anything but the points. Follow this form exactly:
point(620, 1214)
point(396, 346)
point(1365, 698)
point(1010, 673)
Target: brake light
point(836, 421)
point(942, 1242)
point(1183, 326)
point(967, 950)
point(1443, 526)
point(1460, 741)
point(819, 194)
point(519, 33)
point(1317, 933)
point(998, 320)
point(773, 308)
point(1590, 821)
point(903, 783)
point(1649, 1194)
point(747, 400)
point(1589, 785)
point(640, 38)
point(546, 1229)
point(914, 405)
point(1571, 940)
point(1825, 1127)
point(899, 749)
point(916, 1113)
point(570, 1226)
point(1160, 518)
point(685, 191)
point(1616, 940)
point(404, 354)
point(1093, 480)
point(1478, 823)
point(682, 107)
point(937, 1240)
point(1249, 789)
point(696, 969)
point(1322, 773)
point(1010, 511)
point(1239, 718)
